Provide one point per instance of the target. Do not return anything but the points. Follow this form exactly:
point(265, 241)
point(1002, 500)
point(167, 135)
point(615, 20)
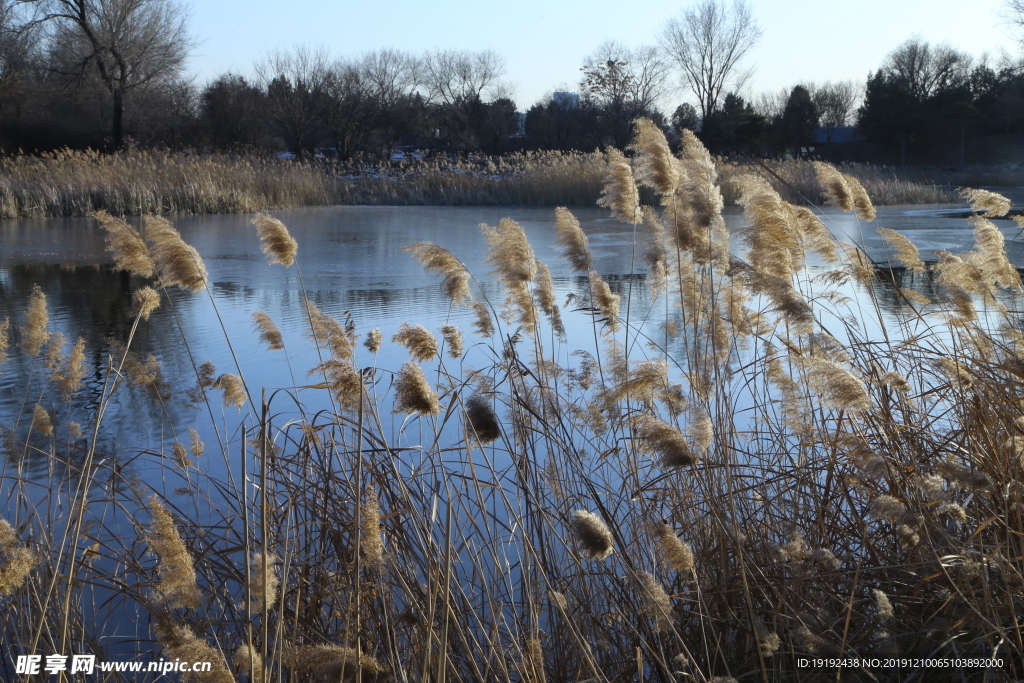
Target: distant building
point(566, 100)
point(520, 131)
point(834, 136)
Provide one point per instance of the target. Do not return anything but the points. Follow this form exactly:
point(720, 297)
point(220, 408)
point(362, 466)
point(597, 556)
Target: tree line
point(101, 73)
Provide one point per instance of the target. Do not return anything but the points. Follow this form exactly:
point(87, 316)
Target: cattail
point(35, 334)
point(332, 663)
point(129, 251)
point(275, 240)
point(619, 193)
point(418, 340)
point(177, 262)
point(483, 324)
point(482, 424)
point(177, 575)
point(5, 339)
point(180, 643)
point(988, 204)
point(144, 301)
point(664, 440)
point(326, 331)
point(373, 340)
point(196, 447)
point(41, 421)
point(346, 382)
point(69, 377)
point(269, 334)
point(572, 239)
point(593, 534)
point(250, 663)
point(16, 561)
point(435, 259)
point(906, 251)
point(607, 302)
point(413, 393)
point(836, 188)
point(676, 552)
point(882, 604)
point(373, 548)
point(655, 165)
point(886, 508)
point(263, 582)
point(861, 201)
point(233, 388)
point(544, 293)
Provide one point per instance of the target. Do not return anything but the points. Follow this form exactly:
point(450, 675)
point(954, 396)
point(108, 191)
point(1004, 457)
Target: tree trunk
point(118, 123)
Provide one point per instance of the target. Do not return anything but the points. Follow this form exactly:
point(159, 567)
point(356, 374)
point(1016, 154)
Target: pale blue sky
point(544, 41)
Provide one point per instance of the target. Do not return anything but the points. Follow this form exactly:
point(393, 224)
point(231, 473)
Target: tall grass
point(135, 182)
point(762, 480)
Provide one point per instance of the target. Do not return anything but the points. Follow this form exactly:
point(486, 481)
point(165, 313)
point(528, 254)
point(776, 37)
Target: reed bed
point(140, 182)
point(757, 482)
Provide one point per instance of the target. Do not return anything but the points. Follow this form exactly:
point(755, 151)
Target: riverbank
point(70, 183)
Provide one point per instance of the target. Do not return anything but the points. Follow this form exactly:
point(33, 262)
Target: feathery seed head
point(233, 388)
point(483, 324)
point(482, 424)
point(572, 239)
point(605, 300)
point(374, 339)
point(664, 440)
point(835, 186)
point(269, 333)
point(413, 393)
point(988, 204)
point(674, 550)
point(144, 302)
point(659, 605)
point(655, 165)
point(263, 582)
point(176, 573)
point(35, 333)
point(593, 534)
point(619, 193)
point(123, 242)
point(41, 421)
point(418, 340)
point(250, 663)
point(373, 548)
point(882, 604)
point(16, 561)
point(886, 508)
point(275, 240)
point(177, 262)
point(439, 260)
point(544, 293)
point(861, 201)
point(906, 251)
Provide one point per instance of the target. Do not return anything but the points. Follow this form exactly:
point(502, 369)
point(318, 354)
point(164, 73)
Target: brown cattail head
point(418, 340)
point(482, 424)
point(177, 262)
point(175, 571)
point(233, 388)
point(16, 561)
point(655, 165)
point(275, 240)
point(413, 393)
point(572, 239)
point(35, 332)
point(593, 534)
point(144, 302)
point(453, 338)
point(373, 340)
point(620, 193)
point(988, 204)
point(269, 334)
point(263, 582)
point(373, 548)
point(439, 260)
point(129, 251)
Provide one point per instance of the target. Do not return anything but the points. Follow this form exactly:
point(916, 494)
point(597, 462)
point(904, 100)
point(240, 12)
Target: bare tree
point(924, 69)
point(295, 83)
point(453, 76)
point(836, 102)
point(616, 73)
point(127, 44)
point(19, 50)
point(707, 43)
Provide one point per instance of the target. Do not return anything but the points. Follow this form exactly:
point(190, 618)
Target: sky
point(544, 42)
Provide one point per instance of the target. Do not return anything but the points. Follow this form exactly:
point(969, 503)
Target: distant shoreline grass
point(72, 183)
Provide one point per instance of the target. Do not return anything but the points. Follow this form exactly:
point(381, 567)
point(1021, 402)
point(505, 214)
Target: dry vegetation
point(779, 485)
point(70, 183)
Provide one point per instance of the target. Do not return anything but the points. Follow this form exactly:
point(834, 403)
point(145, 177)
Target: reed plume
point(5, 339)
point(515, 265)
point(906, 251)
point(593, 534)
point(413, 393)
point(373, 548)
point(177, 262)
point(275, 240)
point(483, 324)
point(453, 339)
point(572, 239)
point(144, 302)
point(180, 642)
point(861, 201)
point(676, 552)
point(269, 334)
point(835, 186)
point(177, 575)
point(882, 605)
point(41, 421)
point(249, 663)
point(544, 293)
point(69, 377)
point(482, 424)
point(664, 440)
point(332, 663)
point(836, 386)
point(373, 340)
point(656, 253)
point(604, 300)
point(989, 255)
point(346, 382)
point(418, 341)
point(126, 246)
point(16, 561)
point(263, 582)
point(986, 203)
point(887, 508)
point(435, 259)
point(181, 455)
point(659, 605)
point(233, 388)
point(196, 447)
point(655, 165)
point(35, 333)
point(326, 331)
point(619, 193)
point(534, 662)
